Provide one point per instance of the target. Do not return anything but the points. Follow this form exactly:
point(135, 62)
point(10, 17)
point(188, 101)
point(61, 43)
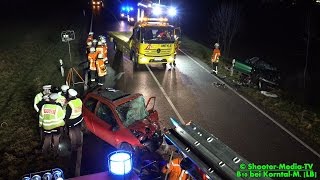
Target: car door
point(89, 107)
point(105, 122)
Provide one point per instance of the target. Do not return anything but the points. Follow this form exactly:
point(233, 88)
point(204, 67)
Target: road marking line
point(91, 22)
point(257, 108)
point(166, 96)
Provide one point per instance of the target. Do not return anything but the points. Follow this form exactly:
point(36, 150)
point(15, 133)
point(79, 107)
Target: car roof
point(110, 94)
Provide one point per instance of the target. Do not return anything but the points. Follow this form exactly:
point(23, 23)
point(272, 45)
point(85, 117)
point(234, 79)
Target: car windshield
point(132, 111)
point(157, 35)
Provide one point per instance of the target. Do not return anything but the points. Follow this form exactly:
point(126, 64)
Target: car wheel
point(164, 65)
point(126, 146)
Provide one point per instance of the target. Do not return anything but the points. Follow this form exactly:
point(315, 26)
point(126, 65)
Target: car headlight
point(93, 2)
point(98, 3)
point(131, 19)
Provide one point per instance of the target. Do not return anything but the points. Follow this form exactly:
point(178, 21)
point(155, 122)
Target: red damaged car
point(122, 119)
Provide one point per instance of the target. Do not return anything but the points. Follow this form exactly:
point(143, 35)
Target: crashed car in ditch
point(258, 72)
point(123, 120)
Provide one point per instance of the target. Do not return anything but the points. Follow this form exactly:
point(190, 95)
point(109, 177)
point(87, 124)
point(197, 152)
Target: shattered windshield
point(157, 35)
point(132, 111)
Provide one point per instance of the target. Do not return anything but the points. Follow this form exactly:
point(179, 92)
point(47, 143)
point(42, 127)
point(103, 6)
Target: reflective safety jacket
point(37, 99)
point(92, 57)
point(61, 99)
point(90, 38)
point(101, 68)
point(215, 55)
point(103, 50)
point(74, 112)
point(175, 171)
point(51, 116)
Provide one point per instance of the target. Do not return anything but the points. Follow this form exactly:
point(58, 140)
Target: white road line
point(166, 96)
point(257, 108)
point(91, 22)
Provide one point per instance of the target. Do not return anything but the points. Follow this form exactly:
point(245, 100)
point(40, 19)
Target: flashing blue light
point(131, 8)
point(123, 8)
point(120, 162)
point(172, 11)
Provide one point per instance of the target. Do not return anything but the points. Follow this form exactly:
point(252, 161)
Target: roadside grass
point(302, 120)
point(29, 58)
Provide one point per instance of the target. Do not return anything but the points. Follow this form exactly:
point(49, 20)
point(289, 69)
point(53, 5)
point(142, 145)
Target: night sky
point(274, 30)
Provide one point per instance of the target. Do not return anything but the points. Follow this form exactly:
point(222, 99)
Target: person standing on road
point(90, 37)
point(215, 58)
point(92, 57)
point(102, 49)
point(74, 118)
point(101, 69)
point(51, 120)
point(39, 96)
point(63, 94)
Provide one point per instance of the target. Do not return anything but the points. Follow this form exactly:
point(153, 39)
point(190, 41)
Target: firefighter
point(101, 69)
point(94, 42)
point(89, 45)
point(51, 120)
point(62, 99)
point(74, 118)
point(92, 57)
point(174, 171)
point(215, 58)
point(39, 96)
point(90, 37)
point(102, 48)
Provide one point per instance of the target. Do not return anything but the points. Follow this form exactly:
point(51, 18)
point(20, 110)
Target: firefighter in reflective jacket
point(74, 118)
point(102, 48)
point(175, 171)
point(39, 96)
point(92, 57)
point(101, 69)
point(215, 58)
point(90, 37)
point(51, 120)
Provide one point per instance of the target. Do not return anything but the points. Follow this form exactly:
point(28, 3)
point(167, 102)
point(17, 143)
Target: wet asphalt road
point(190, 88)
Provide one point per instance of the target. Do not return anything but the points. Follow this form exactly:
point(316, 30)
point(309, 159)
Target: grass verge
point(304, 121)
point(29, 58)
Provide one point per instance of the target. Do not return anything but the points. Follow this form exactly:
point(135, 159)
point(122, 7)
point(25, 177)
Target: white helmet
point(216, 45)
point(103, 41)
point(99, 43)
point(89, 43)
point(92, 49)
point(100, 56)
point(64, 88)
point(46, 87)
point(54, 96)
point(90, 33)
point(72, 93)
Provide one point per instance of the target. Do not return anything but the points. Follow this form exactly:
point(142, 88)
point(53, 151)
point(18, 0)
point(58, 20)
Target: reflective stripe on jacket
point(175, 171)
point(215, 55)
point(92, 57)
point(51, 116)
point(76, 108)
point(101, 68)
point(61, 99)
point(103, 50)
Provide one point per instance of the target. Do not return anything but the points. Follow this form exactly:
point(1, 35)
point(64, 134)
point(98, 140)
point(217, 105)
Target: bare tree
point(224, 23)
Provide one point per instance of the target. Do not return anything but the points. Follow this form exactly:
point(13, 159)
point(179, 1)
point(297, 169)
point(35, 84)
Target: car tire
point(126, 147)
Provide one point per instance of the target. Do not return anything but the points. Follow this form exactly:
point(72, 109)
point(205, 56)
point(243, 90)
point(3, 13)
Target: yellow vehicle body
point(149, 43)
